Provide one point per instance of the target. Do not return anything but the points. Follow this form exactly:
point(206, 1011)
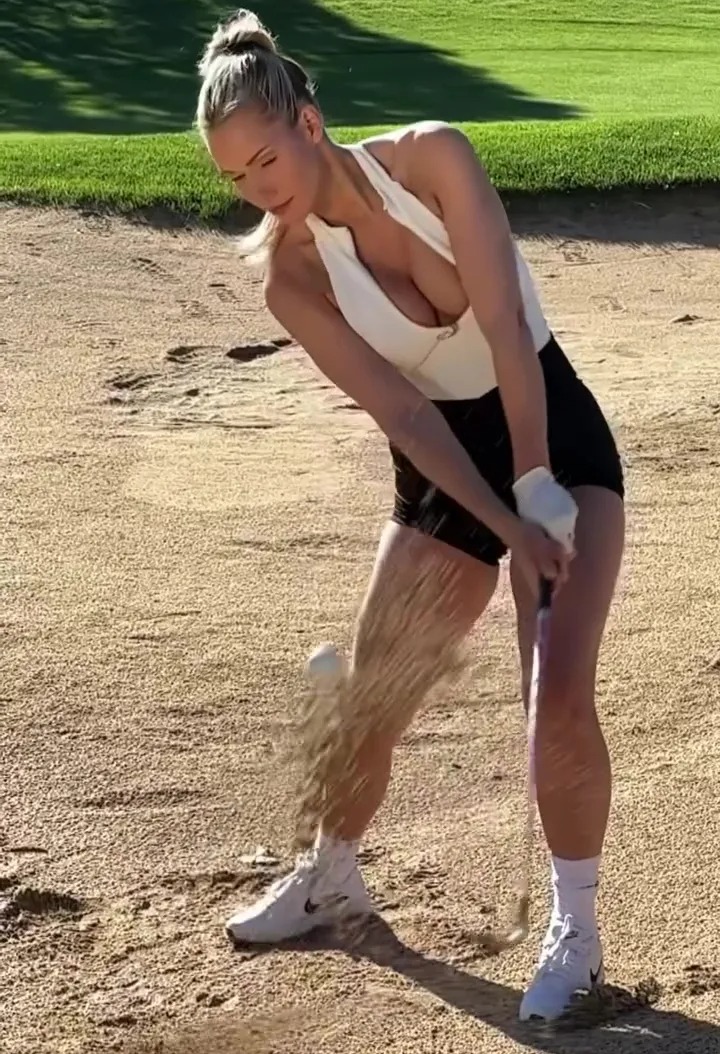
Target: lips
point(278, 210)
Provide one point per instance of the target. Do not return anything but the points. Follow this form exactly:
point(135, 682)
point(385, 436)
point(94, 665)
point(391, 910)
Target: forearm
point(427, 440)
point(522, 390)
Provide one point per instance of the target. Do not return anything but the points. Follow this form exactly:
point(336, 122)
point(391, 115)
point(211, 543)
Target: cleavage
point(403, 266)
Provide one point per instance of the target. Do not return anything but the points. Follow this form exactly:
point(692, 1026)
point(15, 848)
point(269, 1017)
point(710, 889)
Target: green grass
point(95, 80)
point(554, 58)
point(128, 66)
point(172, 171)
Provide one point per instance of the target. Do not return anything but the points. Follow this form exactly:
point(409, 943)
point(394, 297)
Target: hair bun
point(237, 34)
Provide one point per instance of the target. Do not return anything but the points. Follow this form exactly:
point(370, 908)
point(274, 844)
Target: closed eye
point(263, 164)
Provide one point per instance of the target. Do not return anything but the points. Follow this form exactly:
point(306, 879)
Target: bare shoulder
point(284, 277)
point(408, 151)
point(294, 267)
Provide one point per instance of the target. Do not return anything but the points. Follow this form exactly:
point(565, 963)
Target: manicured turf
point(173, 171)
point(525, 59)
point(129, 66)
point(570, 67)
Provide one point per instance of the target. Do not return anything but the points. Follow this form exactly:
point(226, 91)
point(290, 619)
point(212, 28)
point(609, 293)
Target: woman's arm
point(407, 418)
point(443, 160)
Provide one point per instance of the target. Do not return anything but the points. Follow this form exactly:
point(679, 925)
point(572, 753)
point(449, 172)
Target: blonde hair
point(241, 66)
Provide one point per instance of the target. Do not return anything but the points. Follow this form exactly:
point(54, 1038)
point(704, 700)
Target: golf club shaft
point(536, 680)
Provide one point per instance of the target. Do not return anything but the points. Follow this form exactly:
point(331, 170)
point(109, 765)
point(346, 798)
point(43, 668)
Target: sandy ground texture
point(183, 518)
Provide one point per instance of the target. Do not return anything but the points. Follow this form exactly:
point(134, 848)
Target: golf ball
point(326, 665)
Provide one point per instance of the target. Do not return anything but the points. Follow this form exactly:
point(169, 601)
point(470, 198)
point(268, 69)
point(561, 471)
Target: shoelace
point(561, 950)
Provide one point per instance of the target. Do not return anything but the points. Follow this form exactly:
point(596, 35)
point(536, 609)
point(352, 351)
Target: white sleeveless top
point(443, 362)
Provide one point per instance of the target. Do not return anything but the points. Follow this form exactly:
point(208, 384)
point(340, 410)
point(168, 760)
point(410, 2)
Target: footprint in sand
point(97, 223)
point(185, 352)
point(22, 906)
point(194, 309)
point(216, 885)
point(149, 266)
point(257, 349)
point(699, 980)
point(223, 293)
point(610, 304)
point(574, 252)
point(123, 382)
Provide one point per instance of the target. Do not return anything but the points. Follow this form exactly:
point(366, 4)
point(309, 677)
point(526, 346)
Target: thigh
point(481, 428)
point(583, 452)
point(422, 600)
point(581, 608)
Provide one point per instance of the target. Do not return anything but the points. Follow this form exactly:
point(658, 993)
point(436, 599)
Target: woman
point(391, 262)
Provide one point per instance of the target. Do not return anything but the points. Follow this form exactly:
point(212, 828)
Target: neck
point(346, 196)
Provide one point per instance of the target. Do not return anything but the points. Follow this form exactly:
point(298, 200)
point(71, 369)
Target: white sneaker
point(312, 895)
point(571, 961)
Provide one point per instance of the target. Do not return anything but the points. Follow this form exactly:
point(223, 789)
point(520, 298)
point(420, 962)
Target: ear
point(311, 123)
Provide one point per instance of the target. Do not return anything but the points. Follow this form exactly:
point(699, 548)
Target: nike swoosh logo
point(311, 908)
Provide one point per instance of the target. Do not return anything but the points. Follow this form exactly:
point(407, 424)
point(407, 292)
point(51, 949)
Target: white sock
point(575, 887)
point(335, 850)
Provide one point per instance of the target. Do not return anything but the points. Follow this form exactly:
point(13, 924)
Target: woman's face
point(273, 165)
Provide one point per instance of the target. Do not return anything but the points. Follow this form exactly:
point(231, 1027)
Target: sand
point(182, 522)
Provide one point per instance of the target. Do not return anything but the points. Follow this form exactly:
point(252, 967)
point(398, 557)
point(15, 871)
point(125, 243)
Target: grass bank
point(127, 173)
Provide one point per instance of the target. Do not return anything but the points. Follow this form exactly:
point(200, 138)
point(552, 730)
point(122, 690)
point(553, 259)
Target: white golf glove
point(541, 500)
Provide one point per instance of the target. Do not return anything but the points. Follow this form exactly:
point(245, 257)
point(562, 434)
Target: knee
point(567, 692)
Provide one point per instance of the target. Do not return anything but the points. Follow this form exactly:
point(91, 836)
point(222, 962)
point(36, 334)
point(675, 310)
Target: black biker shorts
point(582, 452)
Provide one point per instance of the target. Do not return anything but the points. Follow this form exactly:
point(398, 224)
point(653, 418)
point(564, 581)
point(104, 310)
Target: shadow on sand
point(627, 1024)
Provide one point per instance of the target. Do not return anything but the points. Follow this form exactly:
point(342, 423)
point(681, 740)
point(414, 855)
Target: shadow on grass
point(126, 66)
point(642, 1029)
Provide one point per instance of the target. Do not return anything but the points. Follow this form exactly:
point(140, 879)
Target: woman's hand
point(541, 500)
point(539, 556)
point(544, 543)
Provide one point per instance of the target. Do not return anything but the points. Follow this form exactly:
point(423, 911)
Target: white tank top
point(443, 362)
